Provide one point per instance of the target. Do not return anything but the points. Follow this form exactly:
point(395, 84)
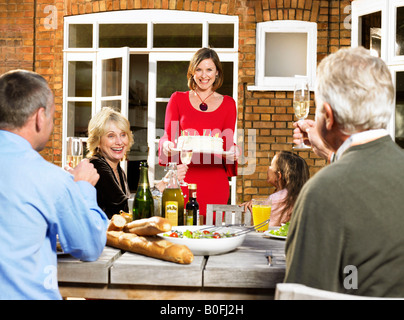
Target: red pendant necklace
point(203, 106)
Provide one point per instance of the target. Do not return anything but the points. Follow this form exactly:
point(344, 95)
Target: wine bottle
point(173, 200)
point(192, 207)
point(143, 201)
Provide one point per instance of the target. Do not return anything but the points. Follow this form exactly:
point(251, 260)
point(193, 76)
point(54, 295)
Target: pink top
point(278, 215)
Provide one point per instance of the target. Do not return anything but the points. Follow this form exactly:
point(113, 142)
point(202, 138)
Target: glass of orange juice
point(261, 211)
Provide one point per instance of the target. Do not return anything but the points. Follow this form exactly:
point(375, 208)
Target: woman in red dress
point(203, 111)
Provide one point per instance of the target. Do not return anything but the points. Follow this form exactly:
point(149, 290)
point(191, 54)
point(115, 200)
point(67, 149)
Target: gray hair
point(358, 87)
point(21, 94)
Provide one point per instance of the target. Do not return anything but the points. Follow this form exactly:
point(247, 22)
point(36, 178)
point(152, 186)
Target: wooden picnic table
point(249, 272)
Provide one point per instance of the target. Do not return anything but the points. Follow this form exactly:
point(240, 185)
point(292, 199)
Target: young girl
point(288, 173)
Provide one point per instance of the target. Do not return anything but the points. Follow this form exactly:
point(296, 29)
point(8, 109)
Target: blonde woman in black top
point(109, 138)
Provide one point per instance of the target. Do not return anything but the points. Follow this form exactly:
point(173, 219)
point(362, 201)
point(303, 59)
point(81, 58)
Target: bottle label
point(189, 218)
point(172, 212)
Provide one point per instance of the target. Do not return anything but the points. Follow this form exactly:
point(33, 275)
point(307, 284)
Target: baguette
point(117, 223)
point(150, 246)
point(149, 226)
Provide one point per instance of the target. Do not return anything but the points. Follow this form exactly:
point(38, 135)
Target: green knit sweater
point(347, 227)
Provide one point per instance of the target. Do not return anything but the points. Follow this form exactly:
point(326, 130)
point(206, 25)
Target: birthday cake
point(202, 144)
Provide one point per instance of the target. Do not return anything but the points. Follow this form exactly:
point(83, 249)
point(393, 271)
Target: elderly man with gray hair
point(346, 233)
point(39, 200)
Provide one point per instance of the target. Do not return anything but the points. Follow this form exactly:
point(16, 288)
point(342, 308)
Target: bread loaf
point(150, 246)
point(148, 227)
point(117, 223)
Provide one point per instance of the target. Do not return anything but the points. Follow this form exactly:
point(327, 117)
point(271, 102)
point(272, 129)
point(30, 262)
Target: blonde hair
point(98, 127)
point(199, 56)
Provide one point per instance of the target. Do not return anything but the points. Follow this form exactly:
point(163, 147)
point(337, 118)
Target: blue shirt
point(38, 201)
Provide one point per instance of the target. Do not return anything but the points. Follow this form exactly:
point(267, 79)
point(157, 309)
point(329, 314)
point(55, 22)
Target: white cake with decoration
point(202, 144)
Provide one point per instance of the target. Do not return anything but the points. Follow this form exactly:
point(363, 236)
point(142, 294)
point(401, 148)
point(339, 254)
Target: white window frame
point(389, 18)
point(67, 57)
point(392, 11)
point(360, 9)
point(263, 83)
point(109, 53)
point(151, 17)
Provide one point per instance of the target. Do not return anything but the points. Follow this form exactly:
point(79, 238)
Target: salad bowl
point(202, 244)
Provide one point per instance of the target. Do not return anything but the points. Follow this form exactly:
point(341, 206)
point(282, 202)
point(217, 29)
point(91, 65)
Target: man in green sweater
point(347, 227)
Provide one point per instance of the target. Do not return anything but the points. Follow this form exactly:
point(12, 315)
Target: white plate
point(270, 235)
point(207, 152)
point(206, 247)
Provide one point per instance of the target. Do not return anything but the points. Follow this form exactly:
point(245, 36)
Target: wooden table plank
point(136, 269)
point(71, 269)
point(248, 266)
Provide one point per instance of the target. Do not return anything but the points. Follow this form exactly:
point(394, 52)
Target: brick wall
point(27, 41)
point(16, 35)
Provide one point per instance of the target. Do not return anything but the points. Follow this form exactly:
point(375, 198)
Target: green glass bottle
point(143, 202)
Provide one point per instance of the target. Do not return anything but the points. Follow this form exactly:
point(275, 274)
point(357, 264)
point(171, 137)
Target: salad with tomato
point(199, 234)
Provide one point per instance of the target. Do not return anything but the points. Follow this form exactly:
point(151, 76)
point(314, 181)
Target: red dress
point(210, 173)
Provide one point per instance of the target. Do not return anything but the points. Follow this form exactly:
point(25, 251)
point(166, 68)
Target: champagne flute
point(186, 157)
point(301, 104)
point(75, 151)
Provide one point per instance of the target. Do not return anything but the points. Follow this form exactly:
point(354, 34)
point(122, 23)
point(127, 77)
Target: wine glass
point(75, 151)
point(186, 157)
point(301, 104)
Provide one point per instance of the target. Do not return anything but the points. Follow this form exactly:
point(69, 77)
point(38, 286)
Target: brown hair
point(199, 56)
point(294, 174)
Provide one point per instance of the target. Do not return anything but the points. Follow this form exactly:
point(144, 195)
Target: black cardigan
point(110, 197)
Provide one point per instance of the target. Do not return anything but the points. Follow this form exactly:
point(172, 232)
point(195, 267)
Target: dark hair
point(21, 94)
point(294, 174)
point(199, 56)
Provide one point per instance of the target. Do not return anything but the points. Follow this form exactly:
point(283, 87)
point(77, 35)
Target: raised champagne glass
point(301, 104)
point(74, 151)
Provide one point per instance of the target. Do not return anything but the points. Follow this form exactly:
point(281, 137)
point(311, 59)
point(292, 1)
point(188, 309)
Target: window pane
point(171, 77)
point(138, 80)
point(160, 117)
point(400, 108)
point(111, 77)
point(123, 35)
point(400, 32)
point(227, 86)
point(221, 35)
point(114, 104)
point(177, 35)
point(371, 32)
point(285, 54)
point(80, 36)
point(78, 116)
point(80, 78)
